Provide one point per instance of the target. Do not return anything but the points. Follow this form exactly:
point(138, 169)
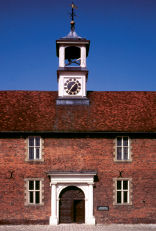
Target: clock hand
point(72, 86)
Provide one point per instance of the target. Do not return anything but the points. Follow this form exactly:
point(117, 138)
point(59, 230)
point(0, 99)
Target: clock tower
point(72, 72)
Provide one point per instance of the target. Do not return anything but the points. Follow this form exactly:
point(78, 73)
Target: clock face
point(72, 86)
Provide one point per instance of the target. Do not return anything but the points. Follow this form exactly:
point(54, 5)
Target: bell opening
point(72, 56)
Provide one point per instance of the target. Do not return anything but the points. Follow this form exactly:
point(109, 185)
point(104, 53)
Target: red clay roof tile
point(108, 111)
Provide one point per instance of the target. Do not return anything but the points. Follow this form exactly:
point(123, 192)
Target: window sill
point(32, 161)
point(35, 205)
point(124, 204)
point(123, 161)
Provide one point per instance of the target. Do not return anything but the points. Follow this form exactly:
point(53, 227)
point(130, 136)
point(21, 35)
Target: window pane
point(125, 184)
point(119, 139)
point(31, 141)
point(37, 186)
point(31, 197)
point(37, 197)
point(31, 185)
point(31, 153)
point(37, 141)
point(125, 141)
point(119, 153)
point(118, 184)
point(119, 197)
point(125, 197)
point(37, 153)
point(125, 153)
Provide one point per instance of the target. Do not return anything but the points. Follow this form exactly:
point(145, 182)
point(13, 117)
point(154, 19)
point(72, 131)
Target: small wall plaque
point(103, 208)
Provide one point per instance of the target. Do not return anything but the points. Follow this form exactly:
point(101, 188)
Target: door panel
point(72, 205)
point(79, 211)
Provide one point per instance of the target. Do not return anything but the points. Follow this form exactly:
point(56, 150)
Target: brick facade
point(77, 153)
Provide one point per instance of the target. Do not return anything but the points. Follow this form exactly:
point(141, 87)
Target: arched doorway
point(72, 205)
point(61, 183)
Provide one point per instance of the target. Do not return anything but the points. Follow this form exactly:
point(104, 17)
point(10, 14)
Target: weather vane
point(72, 17)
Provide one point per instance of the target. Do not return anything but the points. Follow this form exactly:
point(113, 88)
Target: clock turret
point(72, 72)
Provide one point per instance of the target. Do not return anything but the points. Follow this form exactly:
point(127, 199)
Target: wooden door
point(72, 205)
point(79, 211)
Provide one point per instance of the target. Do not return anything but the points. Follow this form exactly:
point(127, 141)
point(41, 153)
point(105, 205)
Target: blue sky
point(122, 53)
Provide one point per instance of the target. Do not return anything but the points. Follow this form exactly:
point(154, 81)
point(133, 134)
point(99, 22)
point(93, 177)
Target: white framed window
point(122, 148)
point(34, 148)
point(34, 192)
point(122, 191)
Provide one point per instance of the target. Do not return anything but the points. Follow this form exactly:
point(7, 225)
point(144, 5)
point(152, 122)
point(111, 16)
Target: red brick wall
point(78, 154)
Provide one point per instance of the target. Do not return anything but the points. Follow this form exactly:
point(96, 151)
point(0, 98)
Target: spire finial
point(72, 17)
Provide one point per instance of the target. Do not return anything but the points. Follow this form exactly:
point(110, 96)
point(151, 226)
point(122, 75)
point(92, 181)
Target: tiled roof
point(108, 112)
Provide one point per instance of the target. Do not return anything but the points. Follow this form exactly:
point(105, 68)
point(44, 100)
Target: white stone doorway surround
point(60, 180)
